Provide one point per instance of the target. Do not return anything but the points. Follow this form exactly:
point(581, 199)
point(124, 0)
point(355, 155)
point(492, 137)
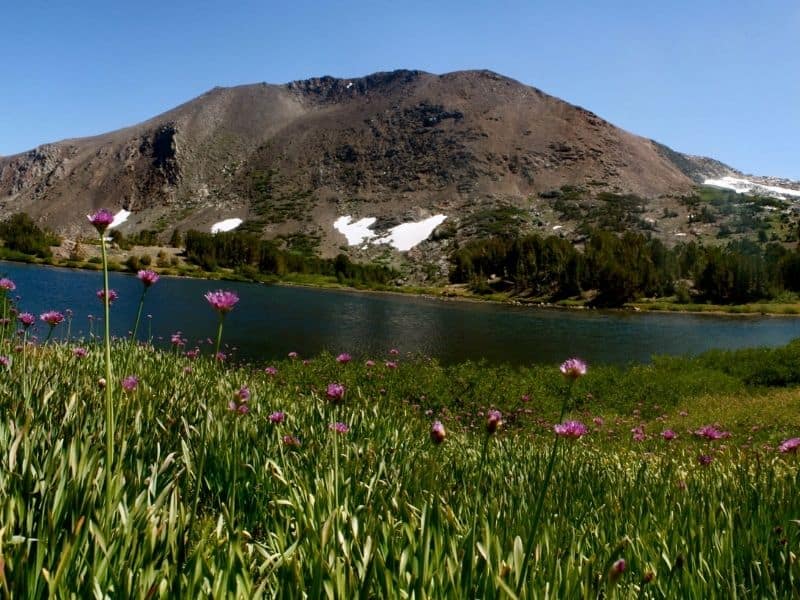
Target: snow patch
point(744, 186)
point(120, 218)
point(226, 225)
point(357, 232)
point(407, 235)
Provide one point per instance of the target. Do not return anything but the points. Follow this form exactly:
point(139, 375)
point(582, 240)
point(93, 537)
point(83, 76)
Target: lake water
point(271, 321)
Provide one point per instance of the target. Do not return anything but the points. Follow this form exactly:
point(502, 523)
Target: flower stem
point(219, 334)
point(109, 380)
point(466, 567)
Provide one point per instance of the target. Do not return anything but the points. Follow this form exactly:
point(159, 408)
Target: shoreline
point(756, 309)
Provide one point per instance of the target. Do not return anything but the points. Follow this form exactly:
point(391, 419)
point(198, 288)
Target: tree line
point(620, 268)
point(245, 251)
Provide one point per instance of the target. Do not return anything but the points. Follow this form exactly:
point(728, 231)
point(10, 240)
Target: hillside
point(481, 151)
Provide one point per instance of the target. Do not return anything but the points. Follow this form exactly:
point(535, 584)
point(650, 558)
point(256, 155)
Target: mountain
point(387, 149)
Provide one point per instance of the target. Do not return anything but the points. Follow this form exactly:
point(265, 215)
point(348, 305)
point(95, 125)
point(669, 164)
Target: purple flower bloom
point(638, 433)
point(52, 317)
point(27, 319)
point(438, 433)
point(704, 459)
point(243, 394)
point(394, 352)
point(668, 434)
point(277, 417)
point(790, 445)
point(7, 285)
point(598, 421)
point(344, 357)
point(617, 569)
point(193, 354)
point(112, 296)
point(177, 339)
point(390, 364)
point(80, 352)
point(494, 419)
point(339, 427)
point(129, 383)
point(221, 356)
point(711, 433)
point(222, 301)
point(370, 363)
point(573, 368)
point(293, 355)
point(148, 277)
point(335, 392)
point(101, 219)
point(271, 371)
point(571, 429)
point(5, 361)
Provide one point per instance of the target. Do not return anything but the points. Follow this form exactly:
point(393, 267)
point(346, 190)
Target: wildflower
point(101, 383)
point(5, 361)
point(80, 352)
point(112, 296)
point(668, 434)
point(101, 219)
point(27, 319)
point(390, 364)
point(222, 301)
point(187, 370)
point(129, 383)
point(271, 371)
point(790, 445)
point(617, 569)
point(242, 408)
point(7, 285)
point(704, 459)
point(683, 413)
point(291, 441)
point(571, 429)
point(711, 433)
point(306, 362)
point(293, 355)
point(339, 427)
point(394, 352)
point(370, 363)
point(148, 277)
point(52, 317)
point(243, 394)
point(192, 354)
point(177, 340)
point(638, 433)
point(344, 358)
point(573, 368)
point(494, 419)
point(220, 356)
point(335, 392)
point(438, 433)
point(277, 417)
point(598, 421)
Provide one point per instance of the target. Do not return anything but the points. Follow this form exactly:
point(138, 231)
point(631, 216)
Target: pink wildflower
point(573, 368)
point(222, 301)
point(343, 358)
point(7, 285)
point(5, 361)
point(177, 339)
point(390, 364)
point(291, 441)
point(598, 421)
point(80, 352)
point(638, 433)
point(148, 277)
point(711, 433)
point(277, 417)
point(271, 371)
point(494, 419)
point(129, 383)
point(617, 569)
point(335, 392)
point(243, 394)
point(571, 429)
point(438, 433)
point(27, 319)
point(370, 363)
point(293, 355)
point(790, 445)
point(339, 427)
point(704, 459)
point(394, 352)
point(52, 317)
point(112, 296)
point(101, 219)
point(668, 434)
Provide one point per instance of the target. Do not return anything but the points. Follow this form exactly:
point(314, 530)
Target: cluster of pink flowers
point(573, 368)
point(130, 382)
point(790, 445)
point(51, 317)
point(710, 432)
point(222, 301)
point(240, 399)
point(177, 339)
point(80, 352)
point(335, 392)
point(638, 433)
point(148, 277)
point(112, 296)
point(7, 285)
point(570, 429)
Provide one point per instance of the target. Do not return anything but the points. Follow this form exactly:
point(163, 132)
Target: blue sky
point(712, 77)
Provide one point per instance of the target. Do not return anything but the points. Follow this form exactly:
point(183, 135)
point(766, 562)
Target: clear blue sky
point(713, 77)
